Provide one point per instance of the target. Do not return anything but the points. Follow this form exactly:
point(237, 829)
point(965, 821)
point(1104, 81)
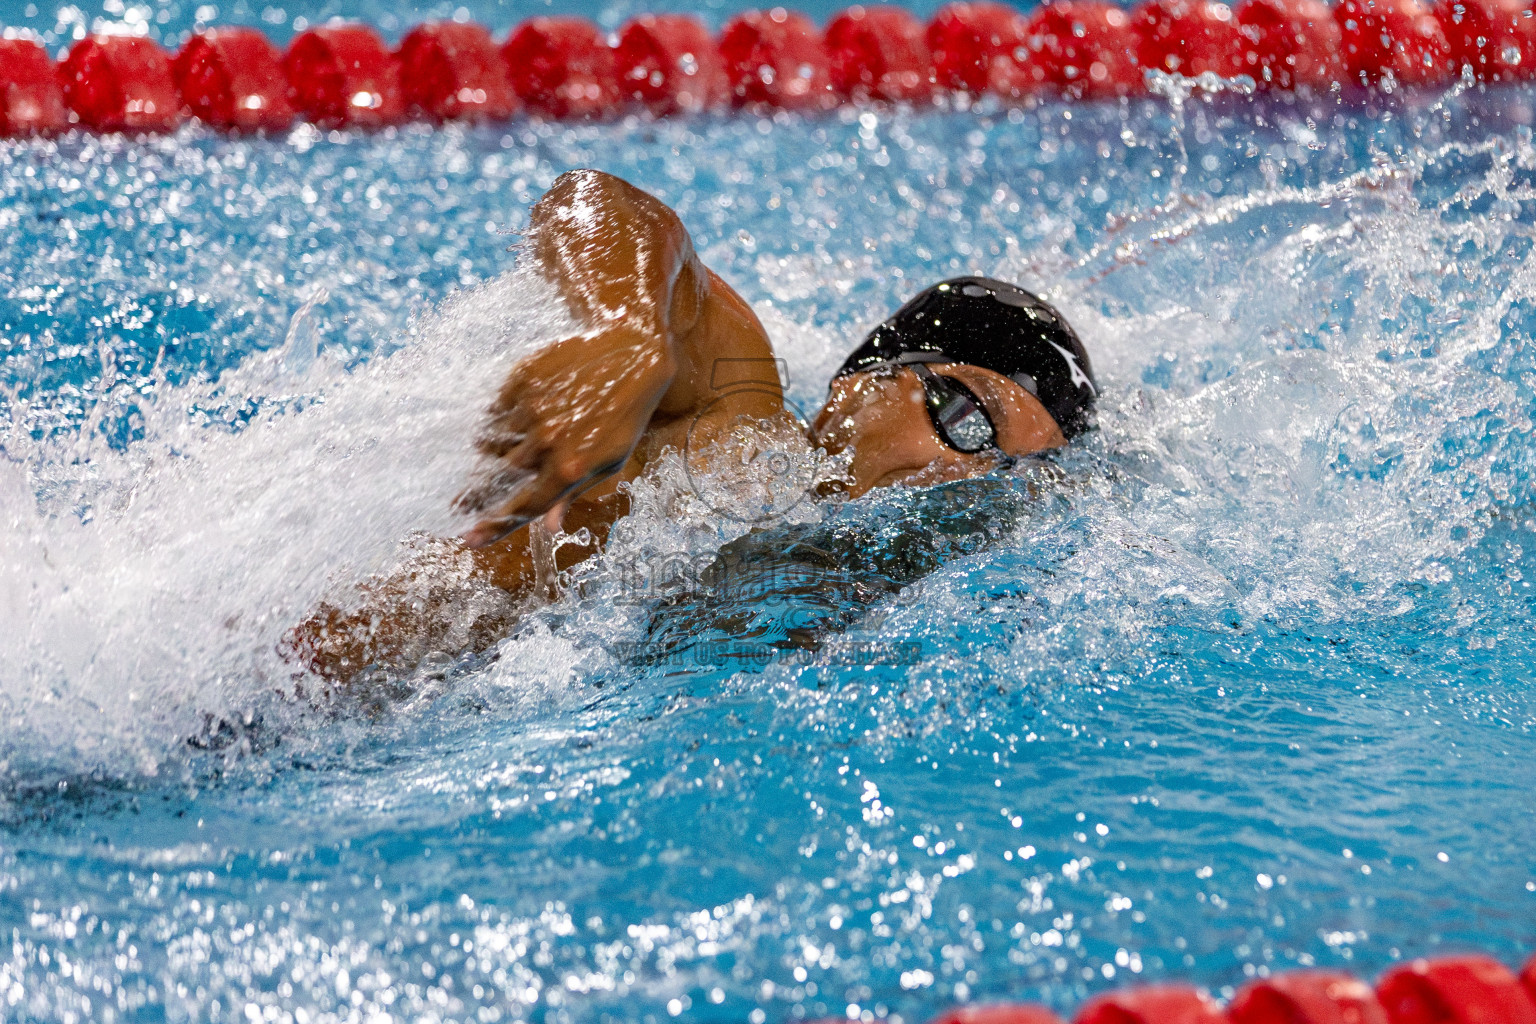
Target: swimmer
point(968, 374)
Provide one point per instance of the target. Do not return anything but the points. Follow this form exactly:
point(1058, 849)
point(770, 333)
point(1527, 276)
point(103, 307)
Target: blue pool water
point(1248, 687)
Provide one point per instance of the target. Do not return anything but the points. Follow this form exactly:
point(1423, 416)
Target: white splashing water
point(1306, 444)
point(202, 545)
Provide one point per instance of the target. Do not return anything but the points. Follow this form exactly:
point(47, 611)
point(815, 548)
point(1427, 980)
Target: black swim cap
point(994, 325)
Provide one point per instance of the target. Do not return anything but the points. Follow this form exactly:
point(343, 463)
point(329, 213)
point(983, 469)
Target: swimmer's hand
point(654, 323)
point(566, 418)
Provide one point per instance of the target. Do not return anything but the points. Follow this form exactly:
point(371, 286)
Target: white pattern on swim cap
point(1079, 378)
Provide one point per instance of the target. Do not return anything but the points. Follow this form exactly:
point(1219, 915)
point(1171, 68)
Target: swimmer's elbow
point(596, 206)
point(576, 198)
point(617, 252)
point(580, 178)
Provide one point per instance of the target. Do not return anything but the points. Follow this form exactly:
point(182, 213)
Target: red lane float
point(233, 78)
point(1191, 37)
point(1401, 38)
point(1157, 1004)
point(1292, 43)
point(1082, 49)
point(1456, 990)
point(562, 67)
point(879, 53)
point(776, 57)
point(997, 1013)
point(451, 70)
point(1528, 978)
point(120, 83)
point(1495, 38)
point(30, 100)
point(669, 63)
point(966, 39)
point(343, 75)
point(1307, 997)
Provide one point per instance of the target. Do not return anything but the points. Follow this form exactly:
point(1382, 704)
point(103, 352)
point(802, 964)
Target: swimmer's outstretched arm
point(581, 415)
point(570, 422)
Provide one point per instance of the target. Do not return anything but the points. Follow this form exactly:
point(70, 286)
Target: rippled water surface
point(1246, 684)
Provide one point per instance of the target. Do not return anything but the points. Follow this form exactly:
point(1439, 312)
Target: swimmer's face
point(883, 416)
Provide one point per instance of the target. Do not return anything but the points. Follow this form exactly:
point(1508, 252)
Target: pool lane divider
point(1470, 989)
point(558, 67)
point(234, 78)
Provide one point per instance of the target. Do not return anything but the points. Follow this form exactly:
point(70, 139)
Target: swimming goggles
point(958, 416)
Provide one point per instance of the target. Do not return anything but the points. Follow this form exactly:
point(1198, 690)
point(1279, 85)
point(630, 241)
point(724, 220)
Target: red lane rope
point(563, 67)
point(1452, 990)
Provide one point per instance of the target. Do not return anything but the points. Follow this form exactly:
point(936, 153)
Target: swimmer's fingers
point(511, 422)
point(514, 447)
point(566, 417)
point(488, 531)
point(543, 400)
point(512, 471)
point(520, 477)
point(537, 475)
point(520, 508)
point(493, 486)
point(546, 495)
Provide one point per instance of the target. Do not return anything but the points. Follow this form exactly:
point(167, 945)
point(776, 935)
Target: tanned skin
point(579, 417)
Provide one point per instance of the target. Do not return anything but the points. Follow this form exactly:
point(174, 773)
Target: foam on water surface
point(1243, 682)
